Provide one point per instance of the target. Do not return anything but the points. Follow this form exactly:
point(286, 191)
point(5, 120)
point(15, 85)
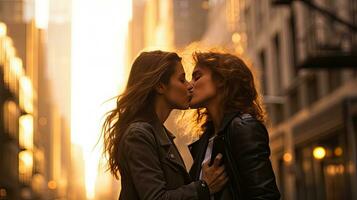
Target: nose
point(190, 86)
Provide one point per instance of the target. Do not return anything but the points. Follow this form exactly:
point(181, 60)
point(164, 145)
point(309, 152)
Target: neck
point(215, 112)
point(162, 109)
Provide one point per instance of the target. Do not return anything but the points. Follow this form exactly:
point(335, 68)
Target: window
point(312, 89)
point(263, 77)
point(293, 45)
point(11, 115)
point(325, 176)
point(334, 79)
point(294, 104)
point(248, 24)
point(277, 61)
point(9, 155)
point(278, 113)
point(259, 15)
point(1, 73)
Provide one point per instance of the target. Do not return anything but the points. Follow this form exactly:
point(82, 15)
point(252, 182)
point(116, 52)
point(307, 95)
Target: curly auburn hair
point(236, 83)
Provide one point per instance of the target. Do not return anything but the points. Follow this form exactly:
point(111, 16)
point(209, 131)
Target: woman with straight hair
point(233, 123)
point(140, 148)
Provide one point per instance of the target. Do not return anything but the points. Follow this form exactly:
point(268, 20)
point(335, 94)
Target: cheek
point(204, 88)
point(199, 85)
point(178, 91)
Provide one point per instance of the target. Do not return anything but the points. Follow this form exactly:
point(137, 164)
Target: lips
point(190, 95)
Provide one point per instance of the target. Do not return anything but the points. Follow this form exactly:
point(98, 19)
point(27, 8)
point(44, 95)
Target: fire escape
point(328, 38)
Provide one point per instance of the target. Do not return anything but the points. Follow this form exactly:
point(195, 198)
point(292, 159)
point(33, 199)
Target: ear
point(160, 88)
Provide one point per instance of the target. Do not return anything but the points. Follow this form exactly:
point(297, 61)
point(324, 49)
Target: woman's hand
point(215, 175)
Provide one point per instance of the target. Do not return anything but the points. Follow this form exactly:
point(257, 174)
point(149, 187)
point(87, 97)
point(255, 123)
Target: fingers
point(205, 164)
point(221, 178)
point(215, 170)
point(214, 175)
point(220, 170)
point(222, 182)
point(217, 160)
point(219, 183)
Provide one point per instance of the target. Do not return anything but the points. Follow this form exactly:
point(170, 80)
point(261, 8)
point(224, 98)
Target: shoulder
point(246, 121)
point(139, 126)
point(246, 127)
point(138, 132)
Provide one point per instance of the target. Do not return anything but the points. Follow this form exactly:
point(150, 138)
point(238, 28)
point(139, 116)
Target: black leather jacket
point(249, 168)
point(151, 167)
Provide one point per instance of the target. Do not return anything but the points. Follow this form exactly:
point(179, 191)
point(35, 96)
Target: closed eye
point(197, 77)
point(182, 78)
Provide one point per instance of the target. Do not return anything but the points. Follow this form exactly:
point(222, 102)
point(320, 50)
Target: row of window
point(18, 165)
point(305, 93)
point(11, 66)
point(11, 115)
point(322, 173)
point(16, 129)
point(320, 166)
point(9, 152)
point(302, 91)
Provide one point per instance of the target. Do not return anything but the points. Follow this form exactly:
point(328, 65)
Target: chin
point(195, 103)
point(194, 106)
point(182, 107)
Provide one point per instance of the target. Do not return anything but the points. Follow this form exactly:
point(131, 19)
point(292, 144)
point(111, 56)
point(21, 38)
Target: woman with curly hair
point(233, 124)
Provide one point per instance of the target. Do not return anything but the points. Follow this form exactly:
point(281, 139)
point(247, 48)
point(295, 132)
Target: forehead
point(201, 68)
point(179, 68)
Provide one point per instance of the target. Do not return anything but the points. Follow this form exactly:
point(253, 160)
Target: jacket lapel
point(198, 151)
point(198, 148)
point(165, 140)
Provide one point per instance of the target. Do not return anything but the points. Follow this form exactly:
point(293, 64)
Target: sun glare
point(99, 32)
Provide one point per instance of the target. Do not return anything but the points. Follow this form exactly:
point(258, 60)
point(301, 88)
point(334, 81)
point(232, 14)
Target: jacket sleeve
point(146, 172)
point(250, 146)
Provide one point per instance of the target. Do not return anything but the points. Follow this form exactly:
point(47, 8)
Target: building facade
point(20, 174)
point(312, 111)
point(34, 137)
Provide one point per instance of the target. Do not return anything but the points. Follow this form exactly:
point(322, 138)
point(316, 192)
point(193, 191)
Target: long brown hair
point(236, 84)
point(148, 69)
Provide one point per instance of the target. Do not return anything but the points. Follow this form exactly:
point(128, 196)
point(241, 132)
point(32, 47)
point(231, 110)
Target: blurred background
point(62, 61)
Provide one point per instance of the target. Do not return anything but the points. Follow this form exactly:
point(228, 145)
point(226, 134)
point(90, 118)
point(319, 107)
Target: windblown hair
point(235, 81)
point(148, 70)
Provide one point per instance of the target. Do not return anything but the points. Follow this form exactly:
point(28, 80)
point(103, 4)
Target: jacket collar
point(227, 118)
point(198, 148)
point(163, 136)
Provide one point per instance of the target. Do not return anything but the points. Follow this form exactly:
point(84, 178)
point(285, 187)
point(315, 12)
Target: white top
point(208, 156)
